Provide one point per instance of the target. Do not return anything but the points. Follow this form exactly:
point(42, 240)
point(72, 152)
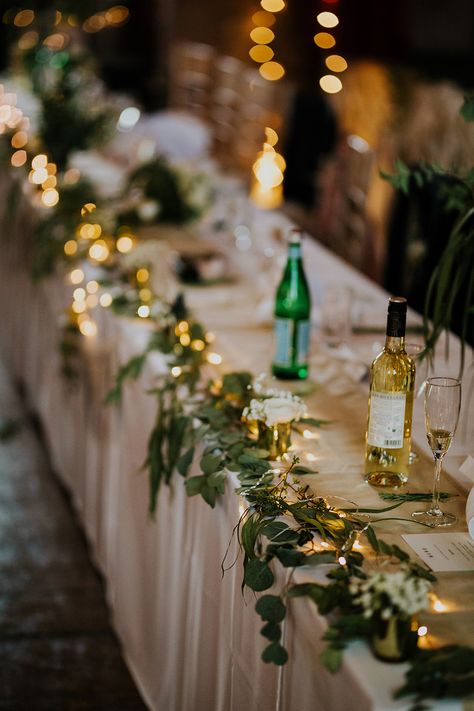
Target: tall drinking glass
point(442, 406)
point(416, 353)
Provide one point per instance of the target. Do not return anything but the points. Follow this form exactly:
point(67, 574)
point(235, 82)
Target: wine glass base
point(385, 479)
point(434, 518)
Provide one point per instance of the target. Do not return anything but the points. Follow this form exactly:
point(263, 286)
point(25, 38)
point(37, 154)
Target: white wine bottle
point(392, 379)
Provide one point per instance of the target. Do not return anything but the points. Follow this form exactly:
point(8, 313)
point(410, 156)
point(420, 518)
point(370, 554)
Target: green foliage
point(467, 109)
point(169, 189)
point(447, 672)
point(452, 281)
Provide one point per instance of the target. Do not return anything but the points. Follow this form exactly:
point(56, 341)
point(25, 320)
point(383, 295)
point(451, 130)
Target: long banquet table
point(189, 637)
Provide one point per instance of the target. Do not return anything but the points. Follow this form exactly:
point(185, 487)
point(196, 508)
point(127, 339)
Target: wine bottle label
point(284, 330)
point(302, 342)
point(387, 420)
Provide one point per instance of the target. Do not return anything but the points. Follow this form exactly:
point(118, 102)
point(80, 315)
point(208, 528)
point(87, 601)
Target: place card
point(443, 551)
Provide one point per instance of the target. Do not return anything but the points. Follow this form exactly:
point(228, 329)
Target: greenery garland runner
point(285, 524)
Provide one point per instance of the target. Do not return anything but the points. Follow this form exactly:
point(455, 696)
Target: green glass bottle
point(292, 316)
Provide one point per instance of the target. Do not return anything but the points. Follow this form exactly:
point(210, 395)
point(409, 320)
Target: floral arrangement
point(162, 193)
point(276, 409)
point(397, 594)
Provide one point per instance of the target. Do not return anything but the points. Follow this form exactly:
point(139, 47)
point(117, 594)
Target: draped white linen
point(190, 638)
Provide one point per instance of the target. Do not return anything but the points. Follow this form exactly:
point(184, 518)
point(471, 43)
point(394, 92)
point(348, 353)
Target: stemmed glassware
point(442, 406)
point(416, 353)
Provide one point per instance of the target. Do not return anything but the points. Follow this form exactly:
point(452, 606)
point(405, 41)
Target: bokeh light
point(324, 40)
point(330, 84)
point(272, 71)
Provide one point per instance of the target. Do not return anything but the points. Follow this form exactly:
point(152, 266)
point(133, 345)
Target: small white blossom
point(276, 410)
point(391, 594)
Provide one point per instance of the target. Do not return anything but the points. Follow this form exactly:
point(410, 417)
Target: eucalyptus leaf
point(275, 653)
point(185, 461)
point(257, 575)
point(331, 658)
point(271, 608)
point(271, 631)
point(210, 463)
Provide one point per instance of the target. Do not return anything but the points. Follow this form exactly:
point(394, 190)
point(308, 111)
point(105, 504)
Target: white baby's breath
point(391, 594)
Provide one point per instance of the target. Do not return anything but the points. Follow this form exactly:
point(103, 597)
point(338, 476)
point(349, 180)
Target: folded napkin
point(467, 468)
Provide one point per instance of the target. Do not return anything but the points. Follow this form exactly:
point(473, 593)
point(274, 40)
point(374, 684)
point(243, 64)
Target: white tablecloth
point(190, 638)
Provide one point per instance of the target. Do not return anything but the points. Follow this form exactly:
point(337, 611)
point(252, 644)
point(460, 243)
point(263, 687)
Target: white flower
point(276, 410)
point(283, 409)
point(391, 594)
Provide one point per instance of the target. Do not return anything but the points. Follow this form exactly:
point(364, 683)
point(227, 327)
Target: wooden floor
point(57, 649)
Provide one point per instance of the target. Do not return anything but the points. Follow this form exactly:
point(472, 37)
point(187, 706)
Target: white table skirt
point(190, 639)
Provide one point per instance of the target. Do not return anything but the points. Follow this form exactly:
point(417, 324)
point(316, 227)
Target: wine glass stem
point(438, 466)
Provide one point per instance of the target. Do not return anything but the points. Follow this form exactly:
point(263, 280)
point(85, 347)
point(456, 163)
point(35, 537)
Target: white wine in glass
point(442, 406)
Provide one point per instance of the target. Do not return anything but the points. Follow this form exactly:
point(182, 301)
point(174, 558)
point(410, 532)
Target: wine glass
point(442, 406)
point(416, 351)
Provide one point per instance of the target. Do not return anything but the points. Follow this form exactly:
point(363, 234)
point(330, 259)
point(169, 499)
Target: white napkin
point(470, 513)
point(467, 468)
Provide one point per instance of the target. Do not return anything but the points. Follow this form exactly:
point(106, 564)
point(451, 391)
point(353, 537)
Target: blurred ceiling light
point(117, 15)
point(99, 251)
point(76, 276)
point(263, 18)
point(143, 311)
point(324, 40)
point(262, 35)
point(87, 208)
point(28, 40)
point(92, 287)
point(261, 53)
point(128, 118)
point(55, 42)
point(272, 71)
point(271, 136)
point(94, 23)
point(88, 328)
point(39, 176)
point(18, 159)
point(70, 247)
point(50, 182)
point(105, 300)
point(272, 5)
point(79, 294)
point(336, 63)
point(357, 143)
point(50, 197)
point(24, 18)
point(19, 139)
point(39, 161)
point(330, 84)
point(143, 275)
point(327, 19)
point(124, 244)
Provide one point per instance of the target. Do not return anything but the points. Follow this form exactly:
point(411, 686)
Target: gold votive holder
point(275, 438)
point(394, 640)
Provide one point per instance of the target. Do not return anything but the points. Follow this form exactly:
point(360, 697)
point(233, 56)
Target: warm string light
point(268, 169)
point(263, 36)
point(329, 83)
point(114, 17)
